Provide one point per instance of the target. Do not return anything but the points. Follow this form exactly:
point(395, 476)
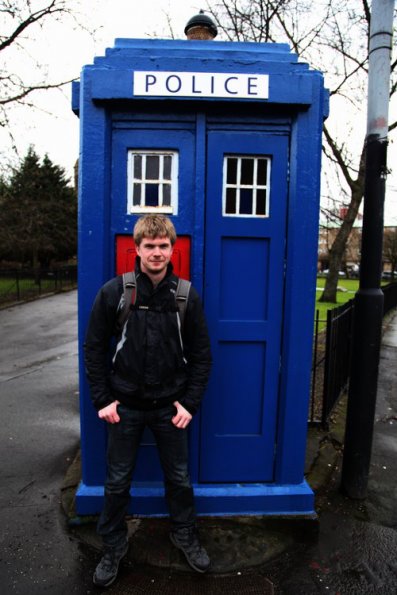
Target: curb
point(328, 448)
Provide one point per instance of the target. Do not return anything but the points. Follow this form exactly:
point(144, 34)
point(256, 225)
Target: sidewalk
point(249, 544)
point(351, 548)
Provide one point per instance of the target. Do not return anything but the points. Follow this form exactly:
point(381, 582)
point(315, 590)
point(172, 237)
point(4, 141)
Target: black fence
point(337, 355)
point(390, 293)
point(332, 354)
point(25, 284)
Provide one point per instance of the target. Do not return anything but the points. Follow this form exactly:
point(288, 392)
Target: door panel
point(148, 468)
point(243, 298)
point(126, 254)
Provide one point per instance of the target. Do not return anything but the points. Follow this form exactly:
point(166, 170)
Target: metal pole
point(368, 313)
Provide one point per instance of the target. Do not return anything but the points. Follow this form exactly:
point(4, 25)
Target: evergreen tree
point(38, 213)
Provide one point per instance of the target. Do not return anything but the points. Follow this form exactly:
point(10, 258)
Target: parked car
point(389, 275)
point(326, 271)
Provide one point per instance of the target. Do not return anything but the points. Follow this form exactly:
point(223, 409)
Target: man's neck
point(155, 278)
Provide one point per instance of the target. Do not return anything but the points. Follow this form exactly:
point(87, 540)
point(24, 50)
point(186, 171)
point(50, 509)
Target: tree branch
point(25, 92)
point(34, 17)
point(337, 153)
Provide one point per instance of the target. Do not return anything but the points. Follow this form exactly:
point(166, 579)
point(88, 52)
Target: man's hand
point(182, 418)
point(109, 413)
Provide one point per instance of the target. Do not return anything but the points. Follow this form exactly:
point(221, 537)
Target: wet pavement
point(356, 549)
point(351, 548)
point(38, 441)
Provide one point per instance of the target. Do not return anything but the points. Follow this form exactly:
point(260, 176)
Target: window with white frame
point(152, 181)
point(246, 186)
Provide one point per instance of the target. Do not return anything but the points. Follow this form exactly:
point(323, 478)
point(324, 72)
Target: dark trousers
point(123, 442)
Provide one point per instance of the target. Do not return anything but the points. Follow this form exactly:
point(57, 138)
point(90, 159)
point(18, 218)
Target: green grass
point(351, 287)
point(347, 292)
point(9, 283)
point(28, 289)
point(348, 288)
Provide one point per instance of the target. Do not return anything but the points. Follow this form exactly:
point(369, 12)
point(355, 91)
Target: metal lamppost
point(368, 307)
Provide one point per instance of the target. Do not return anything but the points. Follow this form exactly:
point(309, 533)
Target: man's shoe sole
point(103, 585)
point(196, 568)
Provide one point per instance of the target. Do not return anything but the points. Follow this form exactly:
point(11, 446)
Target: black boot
point(106, 572)
point(187, 540)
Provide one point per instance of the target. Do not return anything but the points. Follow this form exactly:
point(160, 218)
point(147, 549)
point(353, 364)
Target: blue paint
point(244, 305)
point(256, 276)
point(220, 500)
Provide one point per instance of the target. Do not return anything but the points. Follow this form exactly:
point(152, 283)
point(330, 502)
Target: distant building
point(352, 256)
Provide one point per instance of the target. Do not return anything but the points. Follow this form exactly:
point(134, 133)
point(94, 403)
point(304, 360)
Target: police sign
point(201, 84)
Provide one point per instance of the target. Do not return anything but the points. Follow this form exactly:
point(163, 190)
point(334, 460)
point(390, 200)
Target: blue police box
point(225, 138)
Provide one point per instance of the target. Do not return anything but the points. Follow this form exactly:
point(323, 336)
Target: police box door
point(153, 170)
point(245, 236)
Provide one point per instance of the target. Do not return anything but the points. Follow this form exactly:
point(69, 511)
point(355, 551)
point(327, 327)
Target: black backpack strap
point(129, 295)
point(181, 297)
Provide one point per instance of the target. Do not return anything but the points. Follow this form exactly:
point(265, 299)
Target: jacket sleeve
point(197, 352)
point(97, 346)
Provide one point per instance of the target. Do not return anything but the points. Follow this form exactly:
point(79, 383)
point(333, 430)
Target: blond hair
point(154, 226)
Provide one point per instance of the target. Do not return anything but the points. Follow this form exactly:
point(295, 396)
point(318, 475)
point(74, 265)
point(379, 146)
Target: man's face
point(155, 255)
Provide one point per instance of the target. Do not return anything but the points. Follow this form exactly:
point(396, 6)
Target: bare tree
point(22, 22)
point(332, 36)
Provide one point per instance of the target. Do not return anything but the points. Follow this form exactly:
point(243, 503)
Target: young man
point(157, 377)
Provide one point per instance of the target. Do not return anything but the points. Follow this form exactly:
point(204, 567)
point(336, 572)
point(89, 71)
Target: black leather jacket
point(152, 362)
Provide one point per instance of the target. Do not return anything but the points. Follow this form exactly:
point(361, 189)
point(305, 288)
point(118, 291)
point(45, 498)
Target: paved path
point(39, 437)
point(356, 550)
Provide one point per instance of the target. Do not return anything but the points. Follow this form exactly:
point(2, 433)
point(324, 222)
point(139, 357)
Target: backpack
point(129, 293)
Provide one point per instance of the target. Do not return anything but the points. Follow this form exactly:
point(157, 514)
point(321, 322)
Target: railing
point(390, 293)
point(337, 355)
point(317, 377)
point(332, 353)
point(24, 284)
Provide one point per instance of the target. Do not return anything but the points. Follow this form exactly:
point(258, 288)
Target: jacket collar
point(138, 271)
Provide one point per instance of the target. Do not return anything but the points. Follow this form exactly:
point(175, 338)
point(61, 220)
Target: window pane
point(230, 207)
point(138, 167)
point(166, 195)
point(152, 167)
point(152, 195)
point(167, 167)
point(231, 176)
point(262, 172)
point(261, 202)
point(246, 201)
point(247, 171)
point(152, 181)
point(136, 197)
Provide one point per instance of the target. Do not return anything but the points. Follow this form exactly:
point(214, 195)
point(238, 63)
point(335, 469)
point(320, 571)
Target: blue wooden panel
point(162, 137)
point(159, 137)
point(93, 270)
point(244, 284)
point(240, 403)
point(300, 294)
point(290, 81)
point(251, 256)
point(247, 499)
point(291, 88)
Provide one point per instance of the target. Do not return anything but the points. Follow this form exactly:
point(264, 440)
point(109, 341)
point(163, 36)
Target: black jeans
point(123, 442)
